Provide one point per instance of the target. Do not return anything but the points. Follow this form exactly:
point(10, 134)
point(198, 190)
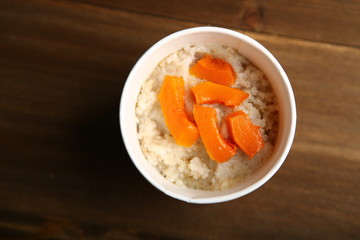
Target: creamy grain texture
point(192, 167)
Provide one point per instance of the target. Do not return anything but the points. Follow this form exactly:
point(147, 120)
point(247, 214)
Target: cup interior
point(254, 52)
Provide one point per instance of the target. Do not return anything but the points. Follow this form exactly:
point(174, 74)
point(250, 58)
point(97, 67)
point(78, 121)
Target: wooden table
point(64, 171)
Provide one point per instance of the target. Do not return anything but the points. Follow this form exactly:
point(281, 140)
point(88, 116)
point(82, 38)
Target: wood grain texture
point(318, 20)
point(64, 171)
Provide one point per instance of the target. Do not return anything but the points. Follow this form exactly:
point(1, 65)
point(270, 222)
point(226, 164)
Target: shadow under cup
point(256, 54)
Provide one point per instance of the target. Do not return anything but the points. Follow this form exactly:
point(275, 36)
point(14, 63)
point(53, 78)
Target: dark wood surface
point(64, 171)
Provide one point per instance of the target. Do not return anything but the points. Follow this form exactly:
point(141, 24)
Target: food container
point(253, 51)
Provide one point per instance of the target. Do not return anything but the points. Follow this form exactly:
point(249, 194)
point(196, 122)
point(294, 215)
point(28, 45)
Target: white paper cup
point(250, 49)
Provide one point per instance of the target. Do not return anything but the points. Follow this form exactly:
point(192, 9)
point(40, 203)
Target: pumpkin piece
point(216, 146)
point(172, 101)
point(209, 93)
point(214, 70)
point(246, 135)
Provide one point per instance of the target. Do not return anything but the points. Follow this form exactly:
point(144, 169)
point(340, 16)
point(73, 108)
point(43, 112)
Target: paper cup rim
point(290, 96)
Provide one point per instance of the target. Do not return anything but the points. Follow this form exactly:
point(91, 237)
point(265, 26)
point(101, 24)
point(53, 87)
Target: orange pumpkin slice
point(214, 70)
point(216, 146)
point(172, 101)
point(209, 93)
point(246, 135)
